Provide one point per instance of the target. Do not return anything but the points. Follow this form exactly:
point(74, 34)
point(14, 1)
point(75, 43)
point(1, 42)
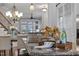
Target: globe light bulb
point(44, 9)
point(16, 13)
point(77, 19)
point(8, 13)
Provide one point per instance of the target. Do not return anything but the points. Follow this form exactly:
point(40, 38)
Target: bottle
point(63, 36)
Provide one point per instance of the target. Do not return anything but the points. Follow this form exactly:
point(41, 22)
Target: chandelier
point(14, 14)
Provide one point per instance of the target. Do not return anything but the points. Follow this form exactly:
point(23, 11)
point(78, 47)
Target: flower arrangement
point(51, 31)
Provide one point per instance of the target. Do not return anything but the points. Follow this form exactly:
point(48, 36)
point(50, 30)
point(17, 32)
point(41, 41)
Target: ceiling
point(23, 7)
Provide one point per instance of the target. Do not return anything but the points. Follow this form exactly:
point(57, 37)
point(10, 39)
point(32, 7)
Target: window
point(36, 22)
point(30, 26)
point(23, 28)
point(36, 27)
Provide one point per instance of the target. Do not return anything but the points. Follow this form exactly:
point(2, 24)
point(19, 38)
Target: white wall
point(45, 18)
point(77, 11)
point(5, 43)
point(52, 14)
point(77, 8)
point(20, 43)
point(49, 18)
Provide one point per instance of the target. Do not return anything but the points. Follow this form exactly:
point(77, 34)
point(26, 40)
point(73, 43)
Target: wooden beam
point(4, 26)
point(5, 18)
point(7, 21)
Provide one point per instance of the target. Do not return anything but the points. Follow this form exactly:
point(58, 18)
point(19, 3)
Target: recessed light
point(44, 9)
point(77, 19)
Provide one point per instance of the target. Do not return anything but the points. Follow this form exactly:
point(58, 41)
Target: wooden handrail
point(4, 26)
point(5, 18)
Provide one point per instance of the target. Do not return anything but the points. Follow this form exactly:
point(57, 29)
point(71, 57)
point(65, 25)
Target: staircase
point(3, 32)
point(25, 45)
